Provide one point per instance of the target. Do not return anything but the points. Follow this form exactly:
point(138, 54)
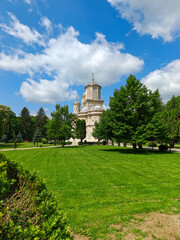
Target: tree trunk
point(134, 146)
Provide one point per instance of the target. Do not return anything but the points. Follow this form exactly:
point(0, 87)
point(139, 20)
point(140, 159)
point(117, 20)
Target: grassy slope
point(101, 185)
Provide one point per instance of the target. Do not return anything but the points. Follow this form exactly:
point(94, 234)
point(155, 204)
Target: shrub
point(27, 208)
point(44, 140)
point(68, 143)
point(163, 148)
point(80, 143)
point(15, 144)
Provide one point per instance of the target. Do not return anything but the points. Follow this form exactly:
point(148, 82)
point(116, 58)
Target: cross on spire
point(93, 77)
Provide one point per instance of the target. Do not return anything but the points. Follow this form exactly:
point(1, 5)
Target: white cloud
point(159, 18)
point(67, 62)
point(27, 1)
point(46, 23)
point(22, 31)
point(167, 80)
point(46, 91)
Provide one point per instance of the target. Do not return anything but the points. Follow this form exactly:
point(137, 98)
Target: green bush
point(27, 209)
point(80, 143)
point(68, 143)
point(44, 140)
point(163, 148)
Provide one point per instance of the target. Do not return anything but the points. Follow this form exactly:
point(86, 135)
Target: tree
point(156, 130)
point(103, 129)
point(9, 124)
point(26, 124)
point(80, 129)
point(19, 138)
point(60, 127)
point(41, 121)
point(37, 136)
point(171, 118)
point(133, 107)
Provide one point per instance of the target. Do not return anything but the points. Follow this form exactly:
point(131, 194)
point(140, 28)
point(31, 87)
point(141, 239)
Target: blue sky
point(49, 49)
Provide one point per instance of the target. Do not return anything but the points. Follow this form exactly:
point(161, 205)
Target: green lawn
point(22, 145)
point(97, 186)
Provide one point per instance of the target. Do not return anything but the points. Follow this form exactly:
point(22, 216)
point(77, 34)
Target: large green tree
point(80, 129)
point(26, 124)
point(103, 129)
point(60, 126)
point(133, 106)
point(171, 118)
point(41, 121)
point(9, 124)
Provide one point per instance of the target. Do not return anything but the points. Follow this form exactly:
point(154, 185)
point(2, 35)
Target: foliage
point(9, 124)
point(27, 209)
point(171, 119)
point(133, 107)
point(80, 129)
point(44, 141)
point(163, 148)
point(19, 138)
point(37, 136)
point(152, 144)
point(156, 130)
point(15, 144)
point(104, 129)
point(60, 127)
point(41, 121)
point(25, 124)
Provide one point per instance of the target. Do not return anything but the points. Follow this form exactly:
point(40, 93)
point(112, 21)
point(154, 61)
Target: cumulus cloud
point(159, 18)
point(46, 91)
point(46, 23)
point(167, 80)
point(66, 61)
point(22, 31)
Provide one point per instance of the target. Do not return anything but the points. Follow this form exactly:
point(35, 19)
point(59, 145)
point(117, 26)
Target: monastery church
point(91, 108)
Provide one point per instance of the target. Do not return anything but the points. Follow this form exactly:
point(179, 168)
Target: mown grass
point(22, 145)
point(97, 186)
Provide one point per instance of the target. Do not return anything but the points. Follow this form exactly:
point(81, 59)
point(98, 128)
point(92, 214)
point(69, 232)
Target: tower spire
point(93, 77)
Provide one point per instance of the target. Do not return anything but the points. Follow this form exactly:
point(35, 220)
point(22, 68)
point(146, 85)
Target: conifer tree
point(41, 121)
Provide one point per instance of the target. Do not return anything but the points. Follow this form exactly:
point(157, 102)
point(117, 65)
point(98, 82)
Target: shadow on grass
point(138, 151)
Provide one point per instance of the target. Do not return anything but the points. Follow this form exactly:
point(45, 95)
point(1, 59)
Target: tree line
point(60, 127)
point(136, 115)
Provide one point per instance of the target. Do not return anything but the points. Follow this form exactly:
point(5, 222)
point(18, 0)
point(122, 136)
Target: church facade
point(91, 108)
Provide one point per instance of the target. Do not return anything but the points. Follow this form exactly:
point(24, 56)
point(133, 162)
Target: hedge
point(27, 208)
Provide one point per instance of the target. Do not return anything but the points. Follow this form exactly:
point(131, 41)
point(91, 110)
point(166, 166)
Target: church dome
point(76, 102)
point(92, 83)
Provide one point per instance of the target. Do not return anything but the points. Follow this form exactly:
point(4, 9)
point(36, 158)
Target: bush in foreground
point(27, 209)
point(163, 148)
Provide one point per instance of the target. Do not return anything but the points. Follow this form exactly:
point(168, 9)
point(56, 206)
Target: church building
point(91, 108)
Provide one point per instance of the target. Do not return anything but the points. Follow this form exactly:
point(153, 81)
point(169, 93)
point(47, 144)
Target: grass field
point(23, 145)
point(97, 186)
